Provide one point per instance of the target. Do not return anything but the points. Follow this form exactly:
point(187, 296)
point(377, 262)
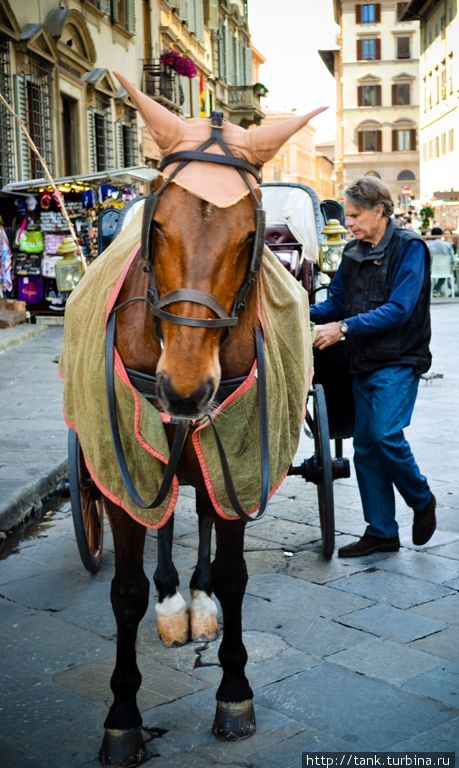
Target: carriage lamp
point(331, 249)
point(69, 269)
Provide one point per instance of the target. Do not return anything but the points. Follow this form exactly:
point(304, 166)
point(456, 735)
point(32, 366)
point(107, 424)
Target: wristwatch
point(344, 328)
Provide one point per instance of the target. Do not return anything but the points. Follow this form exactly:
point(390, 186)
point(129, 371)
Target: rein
point(223, 320)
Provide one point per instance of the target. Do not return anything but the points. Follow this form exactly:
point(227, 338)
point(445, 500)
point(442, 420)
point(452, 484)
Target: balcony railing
point(162, 83)
point(243, 97)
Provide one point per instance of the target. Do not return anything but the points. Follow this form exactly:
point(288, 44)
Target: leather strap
point(195, 297)
point(211, 157)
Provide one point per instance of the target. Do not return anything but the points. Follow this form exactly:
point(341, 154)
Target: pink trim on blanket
point(120, 502)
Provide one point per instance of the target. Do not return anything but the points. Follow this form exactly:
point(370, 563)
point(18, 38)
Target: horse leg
point(202, 610)
point(171, 614)
point(123, 744)
point(235, 717)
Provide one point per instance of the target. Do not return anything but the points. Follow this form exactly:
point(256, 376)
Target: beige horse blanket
point(284, 318)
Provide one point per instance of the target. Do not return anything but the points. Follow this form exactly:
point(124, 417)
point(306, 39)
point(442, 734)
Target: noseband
point(223, 319)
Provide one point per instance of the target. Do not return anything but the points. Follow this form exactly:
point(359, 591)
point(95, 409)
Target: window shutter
point(120, 162)
point(360, 95)
point(248, 67)
point(199, 23)
point(130, 25)
point(183, 10)
point(229, 57)
point(378, 96)
point(359, 49)
point(360, 140)
point(358, 14)
point(394, 93)
point(378, 49)
point(24, 166)
point(191, 16)
point(211, 14)
point(403, 47)
point(221, 52)
point(413, 139)
point(394, 141)
point(104, 6)
point(195, 107)
point(377, 12)
point(378, 141)
point(113, 10)
point(92, 156)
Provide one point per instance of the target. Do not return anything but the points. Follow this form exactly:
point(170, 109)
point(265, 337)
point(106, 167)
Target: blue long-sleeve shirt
point(407, 280)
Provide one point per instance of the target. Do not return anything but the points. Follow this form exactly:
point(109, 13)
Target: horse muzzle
point(191, 406)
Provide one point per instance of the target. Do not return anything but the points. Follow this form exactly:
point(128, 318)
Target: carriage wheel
point(87, 507)
point(318, 424)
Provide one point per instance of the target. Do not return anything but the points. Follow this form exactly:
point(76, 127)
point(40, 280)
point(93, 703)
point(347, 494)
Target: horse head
point(206, 242)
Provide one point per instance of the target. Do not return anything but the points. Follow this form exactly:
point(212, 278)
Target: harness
point(145, 383)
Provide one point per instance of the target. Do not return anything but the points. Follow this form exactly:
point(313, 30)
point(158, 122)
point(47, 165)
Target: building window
point(123, 13)
point(403, 139)
point(406, 175)
point(369, 49)
point(6, 119)
point(33, 91)
point(400, 8)
point(437, 146)
point(370, 140)
point(100, 135)
point(403, 48)
point(373, 173)
point(368, 13)
point(126, 139)
point(369, 95)
point(401, 93)
point(451, 140)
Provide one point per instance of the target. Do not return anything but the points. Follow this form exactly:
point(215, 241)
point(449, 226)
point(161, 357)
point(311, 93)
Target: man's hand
point(326, 335)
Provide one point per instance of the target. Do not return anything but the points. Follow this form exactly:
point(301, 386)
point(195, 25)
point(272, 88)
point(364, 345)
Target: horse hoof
point(234, 720)
point(172, 621)
point(203, 618)
point(122, 748)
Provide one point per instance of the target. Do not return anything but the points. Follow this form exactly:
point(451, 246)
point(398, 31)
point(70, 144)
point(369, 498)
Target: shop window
point(33, 105)
point(100, 135)
point(403, 48)
point(403, 139)
point(6, 119)
point(401, 93)
point(369, 95)
point(368, 13)
point(369, 49)
point(370, 140)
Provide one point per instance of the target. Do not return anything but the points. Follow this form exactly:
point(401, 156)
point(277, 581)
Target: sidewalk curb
point(15, 510)
point(18, 335)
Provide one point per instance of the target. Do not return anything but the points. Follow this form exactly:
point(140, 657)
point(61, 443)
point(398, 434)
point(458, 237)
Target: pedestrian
point(442, 249)
point(379, 304)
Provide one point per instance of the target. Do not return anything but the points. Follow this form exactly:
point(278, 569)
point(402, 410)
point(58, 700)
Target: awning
point(118, 177)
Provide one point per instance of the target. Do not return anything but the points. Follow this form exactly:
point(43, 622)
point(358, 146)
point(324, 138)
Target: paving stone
point(444, 644)
point(389, 661)
point(423, 565)
point(364, 712)
point(440, 738)
point(313, 599)
point(441, 684)
point(287, 534)
point(307, 566)
point(321, 637)
point(395, 588)
point(445, 609)
point(266, 561)
point(392, 623)
point(449, 550)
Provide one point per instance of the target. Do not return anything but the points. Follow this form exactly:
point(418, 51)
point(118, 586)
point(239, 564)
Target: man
point(442, 249)
point(379, 304)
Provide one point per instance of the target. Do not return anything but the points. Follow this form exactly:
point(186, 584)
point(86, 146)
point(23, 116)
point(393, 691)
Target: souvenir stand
point(33, 229)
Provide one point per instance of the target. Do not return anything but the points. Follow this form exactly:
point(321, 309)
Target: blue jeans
point(384, 402)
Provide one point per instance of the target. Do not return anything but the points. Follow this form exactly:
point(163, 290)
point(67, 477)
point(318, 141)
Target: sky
point(288, 34)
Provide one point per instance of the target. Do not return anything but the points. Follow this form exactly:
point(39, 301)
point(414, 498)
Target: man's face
point(364, 224)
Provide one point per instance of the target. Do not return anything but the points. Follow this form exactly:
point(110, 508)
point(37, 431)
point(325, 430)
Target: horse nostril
point(190, 406)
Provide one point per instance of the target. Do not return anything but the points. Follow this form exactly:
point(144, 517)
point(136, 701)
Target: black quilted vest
point(367, 282)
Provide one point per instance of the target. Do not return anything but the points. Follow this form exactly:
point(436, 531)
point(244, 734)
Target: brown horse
point(199, 270)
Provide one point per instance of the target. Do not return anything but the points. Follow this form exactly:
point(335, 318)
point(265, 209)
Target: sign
point(407, 191)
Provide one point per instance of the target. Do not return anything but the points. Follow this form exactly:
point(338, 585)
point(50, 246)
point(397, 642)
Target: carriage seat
point(289, 251)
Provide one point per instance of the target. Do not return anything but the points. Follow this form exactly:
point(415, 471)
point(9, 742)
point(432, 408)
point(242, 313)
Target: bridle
point(223, 320)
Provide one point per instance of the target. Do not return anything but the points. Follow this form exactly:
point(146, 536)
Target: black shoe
point(424, 523)
point(369, 544)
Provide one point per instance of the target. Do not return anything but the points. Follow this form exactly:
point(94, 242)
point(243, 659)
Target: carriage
point(295, 218)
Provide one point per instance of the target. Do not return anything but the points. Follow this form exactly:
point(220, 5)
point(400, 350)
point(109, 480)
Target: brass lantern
point(331, 249)
point(69, 269)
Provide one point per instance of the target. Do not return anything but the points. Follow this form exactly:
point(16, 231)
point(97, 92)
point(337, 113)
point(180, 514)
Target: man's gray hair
point(368, 192)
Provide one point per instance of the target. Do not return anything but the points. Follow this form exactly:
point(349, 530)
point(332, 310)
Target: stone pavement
point(354, 655)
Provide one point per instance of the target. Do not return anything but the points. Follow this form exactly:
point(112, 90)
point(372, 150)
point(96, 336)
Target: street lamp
point(331, 249)
point(69, 269)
